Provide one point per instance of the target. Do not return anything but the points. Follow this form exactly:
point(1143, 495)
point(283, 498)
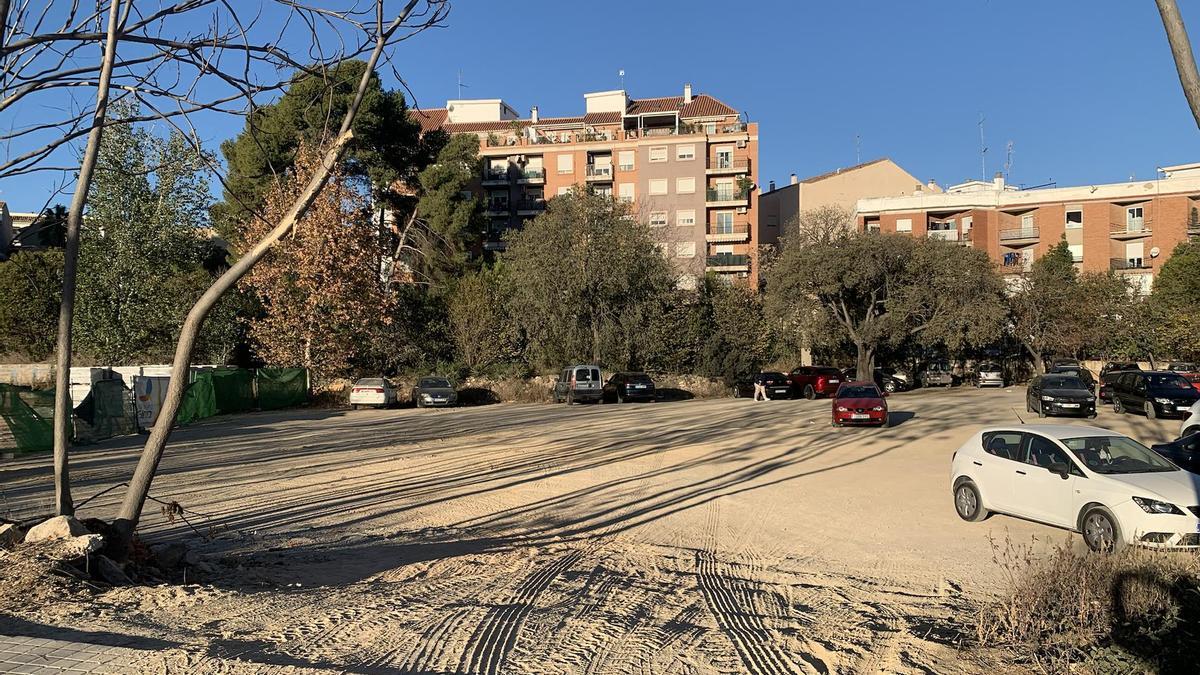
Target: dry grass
point(1132, 611)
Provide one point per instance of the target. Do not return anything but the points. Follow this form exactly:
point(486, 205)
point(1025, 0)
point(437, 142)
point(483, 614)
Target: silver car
point(937, 375)
point(579, 383)
point(989, 375)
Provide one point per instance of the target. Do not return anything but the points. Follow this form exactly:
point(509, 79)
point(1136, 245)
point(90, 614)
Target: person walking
point(760, 388)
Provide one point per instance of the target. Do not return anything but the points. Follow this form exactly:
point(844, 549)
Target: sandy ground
point(720, 536)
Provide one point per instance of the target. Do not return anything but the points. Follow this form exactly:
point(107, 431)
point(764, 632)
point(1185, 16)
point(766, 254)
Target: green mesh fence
point(233, 390)
point(199, 401)
point(26, 419)
point(107, 411)
point(281, 388)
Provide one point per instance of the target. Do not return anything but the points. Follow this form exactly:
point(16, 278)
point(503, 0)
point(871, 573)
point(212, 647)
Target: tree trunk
point(595, 339)
point(139, 486)
point(865, 364)
point(1181, 51)
point(63, 505)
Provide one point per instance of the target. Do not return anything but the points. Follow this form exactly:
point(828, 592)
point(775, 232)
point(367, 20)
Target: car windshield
point(369, 382)
point(939, 368)
point(1167, 381)
point(858, 391)
point(989, 368)
point(1182, 366)
point(1063, 383)
point(434, 383)
point(1116, 455)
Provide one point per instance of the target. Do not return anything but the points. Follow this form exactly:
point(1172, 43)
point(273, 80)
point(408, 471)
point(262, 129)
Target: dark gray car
point(434, 392)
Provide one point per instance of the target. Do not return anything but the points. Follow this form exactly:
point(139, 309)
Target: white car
point(989, 375)
point(1107, 486)
point(1191, 423)
point(372, 391)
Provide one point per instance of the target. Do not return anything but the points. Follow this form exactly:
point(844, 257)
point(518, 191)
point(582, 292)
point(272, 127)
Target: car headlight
point(1047, 398)
point(1163, 401)
point(1155, 506)
point(1091, 399)
point(878, 408)
point(841, 408)
point(426, 397)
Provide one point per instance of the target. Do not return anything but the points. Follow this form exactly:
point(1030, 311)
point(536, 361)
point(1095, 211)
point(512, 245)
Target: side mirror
point(1061, 469)
point(885, 394)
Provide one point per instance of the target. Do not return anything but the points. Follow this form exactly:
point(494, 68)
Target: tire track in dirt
point(497, 634)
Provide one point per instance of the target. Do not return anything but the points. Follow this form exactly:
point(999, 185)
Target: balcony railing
point(1128, 264)
point(728, 260)
point(531, 204)
point(599, 171)
point(1134, 228)
point(726, 165)
point(718, 195)
point(944, 235)
point(533, 173)
point(495, 174)
point(1020, 233)
point(726, 233)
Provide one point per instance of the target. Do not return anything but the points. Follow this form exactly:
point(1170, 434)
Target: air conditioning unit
point(741, 210)
point(741, 143)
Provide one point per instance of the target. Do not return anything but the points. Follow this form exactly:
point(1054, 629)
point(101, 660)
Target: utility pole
point(460, 84)
point(858, 149)
point(982, 151)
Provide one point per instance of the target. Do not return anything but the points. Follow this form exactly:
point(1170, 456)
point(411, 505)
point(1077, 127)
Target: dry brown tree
point(63, 65)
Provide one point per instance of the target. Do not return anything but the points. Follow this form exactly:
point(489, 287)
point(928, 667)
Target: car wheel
point(809, 392)
point(887, 421)
point(1118, 407)
point(1151, 413)
point(889, 387)
point(570, 398)
point(620, 398)
point(967, 503)
point(1041, 409)
point(737, 392)
point(1100, 531)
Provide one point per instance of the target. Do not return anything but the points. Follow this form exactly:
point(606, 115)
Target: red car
point(1194, 378)
point(814, 381)
point(860, 403)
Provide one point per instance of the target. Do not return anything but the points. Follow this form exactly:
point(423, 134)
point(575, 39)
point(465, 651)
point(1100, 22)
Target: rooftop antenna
point(982, 151)
point(1008, 155)
point(858, 148)
point(460, 84)
point(621, 77)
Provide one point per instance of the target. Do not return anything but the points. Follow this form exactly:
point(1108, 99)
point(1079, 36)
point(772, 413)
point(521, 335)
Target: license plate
point(1069, 405)
point(1183, 408)
point(834, 381)
point(858, 416)
point(639, 386)
point(780, 390)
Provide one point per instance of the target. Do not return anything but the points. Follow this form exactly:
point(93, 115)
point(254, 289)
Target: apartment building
point(14, 226)
point(1130, 228)
point(781, 207)
point(686, 164)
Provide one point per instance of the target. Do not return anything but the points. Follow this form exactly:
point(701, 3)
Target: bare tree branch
point(1181, 51)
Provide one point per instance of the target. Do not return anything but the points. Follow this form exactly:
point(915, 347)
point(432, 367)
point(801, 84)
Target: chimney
point(687, 93)
point(794, 179)
point(932, 184)
point(998, 181)
point(533, 116)
point(920, 189)
point(772, 186)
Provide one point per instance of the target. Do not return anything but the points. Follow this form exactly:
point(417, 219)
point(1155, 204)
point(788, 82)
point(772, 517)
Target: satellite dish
point(1154, 252)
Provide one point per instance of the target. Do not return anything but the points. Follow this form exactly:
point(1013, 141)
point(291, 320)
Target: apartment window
point(724, 249)
point(709, 127)
point(602, 190)
point(1133, 218)
point(724, 223)
point(1143, 283)
point(498, 201)
point(967, 221)
point(625, 190)
point(464, 194)
point(566, 163)
point(662, 249)
point(1074, 219)
point(564, 190)
point(685, 185)
point(725, 157)
point(685, 249)
point(904, 225)
point(658, 218)
point(1076, 252)
point(658, 153)
point(685, 217)
point(658, 186)
point(1135, 254)
point(1027, 221)
point(687, 282)
point(685, 152)
point(625, 159)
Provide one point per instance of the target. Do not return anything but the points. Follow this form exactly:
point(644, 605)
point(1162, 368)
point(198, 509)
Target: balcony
point(599, 172)
point(1129, 230)
point(496, 208)
point(718, 197)
point(944, 235)
point(1128, 264)
point(529, 207)
point(728, 234)
point(1193, 229)
point(729, 262)
point(495, 176)
point(1024, 235)
point(722, 166)
point(532, 175)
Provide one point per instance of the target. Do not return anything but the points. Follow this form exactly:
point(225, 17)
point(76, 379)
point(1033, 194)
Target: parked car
point(434, 391)
point(622, 387)
point(1194, 378)
point(888, 379)
point(937, 375)
point(1077, 371)
point(989, 374)
point(777, 384)
point(813, 381)
point(1183, 453)
point(1115, 366)
point(1181, 367)
point(1191, 423)
point(1058, 394)
point(576, 384)
point(1108, 376)
point(373, 392)
point(860, 403)
point(1065, 362)
point(1157, 393)
point(1112, 489)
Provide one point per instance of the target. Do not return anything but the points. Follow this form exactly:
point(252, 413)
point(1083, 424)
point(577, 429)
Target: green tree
point(1175, 303)
point(49, 230)
point(142, 246)
point(874, 290)
point(484, 334)
point(450, 220)
point(738, 340)
point(387, 151)
point(584, 280)
point(30, 289)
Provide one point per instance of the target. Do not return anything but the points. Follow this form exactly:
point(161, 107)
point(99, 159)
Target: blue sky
point(1086, 91)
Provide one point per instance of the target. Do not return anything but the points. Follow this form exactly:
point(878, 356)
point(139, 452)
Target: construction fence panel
point(281, 387)
point(107, 411)
point(233, 390)
point(26, 419)
point(199, 400)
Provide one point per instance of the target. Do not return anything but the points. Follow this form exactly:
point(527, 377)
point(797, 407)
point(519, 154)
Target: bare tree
point(181, 63)
point(1181, 50)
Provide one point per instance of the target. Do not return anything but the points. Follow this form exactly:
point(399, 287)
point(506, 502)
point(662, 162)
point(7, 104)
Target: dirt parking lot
point(695, 537)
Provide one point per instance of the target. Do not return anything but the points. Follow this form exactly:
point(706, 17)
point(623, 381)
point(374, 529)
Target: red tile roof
point(429, 119)
point(702, 105)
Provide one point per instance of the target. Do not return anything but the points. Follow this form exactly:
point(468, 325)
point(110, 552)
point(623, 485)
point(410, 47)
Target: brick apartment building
point(1130, 228)
point(686, 164)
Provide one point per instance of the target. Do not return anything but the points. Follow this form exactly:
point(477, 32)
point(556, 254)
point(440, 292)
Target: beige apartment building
point(686, 164)
point(780, 207)
point(1130, 228)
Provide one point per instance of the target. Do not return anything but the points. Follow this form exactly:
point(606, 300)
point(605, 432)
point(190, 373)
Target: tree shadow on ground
point(15, 626)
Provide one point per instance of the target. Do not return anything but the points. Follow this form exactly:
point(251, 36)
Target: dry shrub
point(1130, 611)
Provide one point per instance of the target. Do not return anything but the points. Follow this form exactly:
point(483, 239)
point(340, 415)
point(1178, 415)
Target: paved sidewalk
point(29, 655)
